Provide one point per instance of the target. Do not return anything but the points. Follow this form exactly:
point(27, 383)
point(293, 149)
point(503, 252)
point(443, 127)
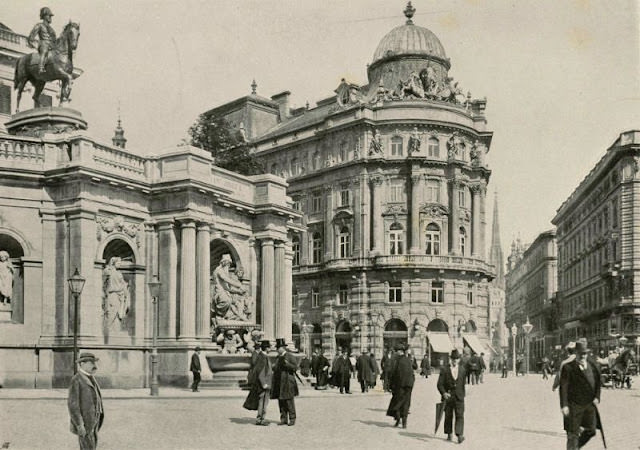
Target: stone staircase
point(226, 380)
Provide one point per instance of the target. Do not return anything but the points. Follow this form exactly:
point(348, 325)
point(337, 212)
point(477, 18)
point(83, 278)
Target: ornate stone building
point(599, 250)
point(531, 286)
point(392, 179)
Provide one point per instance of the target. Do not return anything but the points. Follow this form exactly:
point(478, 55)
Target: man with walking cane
point(451, 387)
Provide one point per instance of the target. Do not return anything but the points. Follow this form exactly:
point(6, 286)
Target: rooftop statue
point(53, 61)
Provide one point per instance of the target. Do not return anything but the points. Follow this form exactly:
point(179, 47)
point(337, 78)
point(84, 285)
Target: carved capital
point(376, 180)
point(417, 178)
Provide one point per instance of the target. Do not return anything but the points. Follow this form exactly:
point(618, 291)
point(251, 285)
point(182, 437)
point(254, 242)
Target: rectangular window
point(395, 292)
point(470, 295)
point(343, 152)
point(296, 205)
point(437, 292)
point(296, 252)
point(317, 248)
point(614, 213)
point(461, 198)
point(5, 99)
point(396, 146)
point(396, 192)
point(343, 295)
point(294, 299)
point(316, 202)
point(345, 245)
point(434, 148)
point(433, 191)
point(344, 197)
point(315, 298)
point(396, 246)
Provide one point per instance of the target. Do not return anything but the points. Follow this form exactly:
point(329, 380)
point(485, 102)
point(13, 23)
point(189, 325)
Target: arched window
point(344, 242)
point(433, 239)
point(433, 149)
point(295, 244)
point(438, 326)
point(317, 248)
point(463, 241)
point(396, 239)
point(396, 146)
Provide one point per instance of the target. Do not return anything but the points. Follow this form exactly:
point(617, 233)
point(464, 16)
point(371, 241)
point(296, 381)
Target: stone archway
point(343, 335)
point(11, 280)
point(219, 247)
point(395, 333)
point(119, 286)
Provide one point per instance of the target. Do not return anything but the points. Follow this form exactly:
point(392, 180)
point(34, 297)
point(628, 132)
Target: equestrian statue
point(53, 60)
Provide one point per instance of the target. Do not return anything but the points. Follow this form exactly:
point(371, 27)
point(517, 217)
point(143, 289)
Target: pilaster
point(416, 186)
point(267, 288)
point(187, 279)
point(168, 270)
point(203, 280)
point(329, 240)
point(378, 228)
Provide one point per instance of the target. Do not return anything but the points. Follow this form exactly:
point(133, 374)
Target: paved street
point(517, 413)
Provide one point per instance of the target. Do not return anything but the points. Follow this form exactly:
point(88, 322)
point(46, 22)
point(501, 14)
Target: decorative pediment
point(434, 209)
point(344, 214)
point(117, 224)
point(395, 209)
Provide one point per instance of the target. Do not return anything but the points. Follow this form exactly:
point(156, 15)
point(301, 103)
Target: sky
point(561, 78)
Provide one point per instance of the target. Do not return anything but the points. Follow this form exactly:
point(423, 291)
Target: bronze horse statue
point(59, 66)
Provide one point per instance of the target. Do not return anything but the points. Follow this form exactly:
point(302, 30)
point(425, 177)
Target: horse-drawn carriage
point(617, 369)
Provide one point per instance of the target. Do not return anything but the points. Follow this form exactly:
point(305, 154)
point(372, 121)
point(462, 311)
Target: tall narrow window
point(316, 202)
point(345, 242)
point(295, 167)
point(294, 298)
point(437, 292)
point(344, 196)
point(317, 248)
point(315, 298)
point(463, 241)
point(433, 191)
point(470, 294)
point(396, 146)
point(316, 163)
point(343, 295)
point(614, 213)
point(462, 198)
point(396, 191)
point(395, 292)
point(295, 244)
point(342, 155)
point(433, 239)
point(396, 239)
point(433, 150)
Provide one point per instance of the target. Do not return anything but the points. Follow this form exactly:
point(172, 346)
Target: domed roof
point(409, 39)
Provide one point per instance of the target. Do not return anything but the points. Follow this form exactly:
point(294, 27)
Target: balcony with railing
point(450, 262)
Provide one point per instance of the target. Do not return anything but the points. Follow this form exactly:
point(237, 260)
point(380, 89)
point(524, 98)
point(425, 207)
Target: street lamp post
point(154, 291)
point(514, 332)
point(527, 327)
point(76, 283)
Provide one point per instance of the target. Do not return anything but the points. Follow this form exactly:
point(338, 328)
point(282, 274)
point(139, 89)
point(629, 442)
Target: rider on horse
point(43, 37)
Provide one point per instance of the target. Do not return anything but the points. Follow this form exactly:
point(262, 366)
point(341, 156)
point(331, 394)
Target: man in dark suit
point(342, 369)
point(401, 381)
point(451, 387)
point(195, 368)
point(285, 388)
point(85, 403)
point(259, 379)
point(579, 395)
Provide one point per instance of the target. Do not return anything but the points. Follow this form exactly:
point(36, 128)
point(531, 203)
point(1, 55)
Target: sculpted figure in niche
point(231, 342)
point(477, 154)
point(6, 277)
point(414, 141)
point(454, 145)
point(375, 148)
point(226, 288)
point(116, 292)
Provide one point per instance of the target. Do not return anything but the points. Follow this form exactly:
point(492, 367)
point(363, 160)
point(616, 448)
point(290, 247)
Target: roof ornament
point(409, 11)
point(254, 86)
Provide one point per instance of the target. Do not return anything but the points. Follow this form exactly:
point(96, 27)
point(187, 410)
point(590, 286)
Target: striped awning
point(440, 342)
point(473, 342)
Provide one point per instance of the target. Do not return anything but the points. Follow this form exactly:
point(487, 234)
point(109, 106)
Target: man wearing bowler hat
point(579, 397)
point(451, 387)
point(85, 403)
point(259, 380)
point(285, 388)
point(195, 368)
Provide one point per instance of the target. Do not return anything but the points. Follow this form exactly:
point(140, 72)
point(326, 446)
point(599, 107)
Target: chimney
point(282, 99)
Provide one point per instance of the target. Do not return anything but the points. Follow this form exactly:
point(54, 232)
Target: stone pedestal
point(48, 120)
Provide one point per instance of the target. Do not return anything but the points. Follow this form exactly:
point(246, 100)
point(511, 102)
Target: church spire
point(496, 257)
point(118, 138)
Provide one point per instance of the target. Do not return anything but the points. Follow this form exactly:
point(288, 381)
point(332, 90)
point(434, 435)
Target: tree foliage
point(225, 144)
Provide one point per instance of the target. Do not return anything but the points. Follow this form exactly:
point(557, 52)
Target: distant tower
point(495, 256)
point(118, 138)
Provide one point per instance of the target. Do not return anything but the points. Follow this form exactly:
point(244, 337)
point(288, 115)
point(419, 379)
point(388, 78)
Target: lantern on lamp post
point(527, 327)
point(76, 284)
point(514, 332)
point(154, 292)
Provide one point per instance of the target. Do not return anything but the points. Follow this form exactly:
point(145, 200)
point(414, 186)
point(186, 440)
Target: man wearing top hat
point(285, 388)
point(85, 403)
point(259, 380)
point(401, 380)
point(579, 396)
point(451, 387)
point(195, 368)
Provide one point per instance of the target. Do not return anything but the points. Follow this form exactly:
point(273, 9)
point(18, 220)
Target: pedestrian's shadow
point(375, 423)
point(243, 420)
point(423, 437)
point(377, 409)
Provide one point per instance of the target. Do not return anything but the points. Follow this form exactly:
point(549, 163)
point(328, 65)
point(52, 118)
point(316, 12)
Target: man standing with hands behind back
point(579, 395)
point(451, 387)
point(85, 403)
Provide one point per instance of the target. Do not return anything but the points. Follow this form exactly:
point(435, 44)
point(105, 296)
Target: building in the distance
point(392, 178)
point(599, 250)
point(531, 295)
point(498, 331)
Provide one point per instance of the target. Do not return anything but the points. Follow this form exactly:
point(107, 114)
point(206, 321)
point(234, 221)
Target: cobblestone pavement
point(516, 413)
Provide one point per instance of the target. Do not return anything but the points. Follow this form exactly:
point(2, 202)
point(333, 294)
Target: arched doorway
point(343, 335)
point(438, 343)
point(12, 298)
point(395, 332)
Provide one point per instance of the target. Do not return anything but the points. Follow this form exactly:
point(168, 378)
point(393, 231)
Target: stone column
point(329, 240)
point(267, 289)
point(287, 302)
point(305, 257)
point(167, 269)
point(357, 218)
point(48, 325)
point(378, 231)
point(475, 221)
point(416, 185)
point(188, 280)
point(482, 252)
point(203, 280)
point(280, 291)
point(454, 219)
point(365, 212)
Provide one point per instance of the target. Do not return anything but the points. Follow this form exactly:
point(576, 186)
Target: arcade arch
point(395, 332)
point(343, 335)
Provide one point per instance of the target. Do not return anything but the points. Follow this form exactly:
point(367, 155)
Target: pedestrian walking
point(483, 367)
point(85, 403)
point(322, 372)
point(376, 370)
point(305, 366)
point(352, 359)
point(342, 369)
point(401, 381)
point(546, 370)
point(195, 369)
point(505, 366)
point(285, 388)
point(259, 380)
point(579, 397)
point(474, 368)
point(451, 384)
point(465, 362)
point(366, 371)
point(386, 366)
point(425, 366)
